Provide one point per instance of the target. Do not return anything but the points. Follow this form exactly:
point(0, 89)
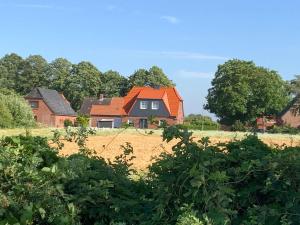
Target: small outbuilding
point(50, 107)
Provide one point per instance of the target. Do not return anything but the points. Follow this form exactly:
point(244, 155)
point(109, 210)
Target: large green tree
point(11, 66)
point(85, 81)
point(114, 84)
point(152, 77)
point(33, 74)
point(59, 71)
point(243, 91)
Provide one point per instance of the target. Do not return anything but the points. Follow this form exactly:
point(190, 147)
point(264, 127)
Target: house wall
point(136, 121)
point(162, 110)
point(291, 118)
point(117, 120)
point(180, 117)
point(43, 114)
point(59, 120)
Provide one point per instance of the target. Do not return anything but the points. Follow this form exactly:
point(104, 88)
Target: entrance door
point(143, 123)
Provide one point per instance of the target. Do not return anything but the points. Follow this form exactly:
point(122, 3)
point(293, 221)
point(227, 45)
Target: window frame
point(145, 106)
point(157, 102)
point(34, 102)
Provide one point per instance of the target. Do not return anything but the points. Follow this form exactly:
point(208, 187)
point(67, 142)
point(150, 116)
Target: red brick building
point(162, 103)
point(49, 107)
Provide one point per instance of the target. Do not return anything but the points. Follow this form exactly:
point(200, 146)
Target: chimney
point(101, 97)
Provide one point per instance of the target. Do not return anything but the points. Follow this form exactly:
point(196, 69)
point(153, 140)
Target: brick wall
point(291, 118)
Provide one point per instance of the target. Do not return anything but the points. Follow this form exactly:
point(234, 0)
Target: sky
point(187, 39)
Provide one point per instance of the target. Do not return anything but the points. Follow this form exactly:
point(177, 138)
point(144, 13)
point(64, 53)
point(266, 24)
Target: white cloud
point(195, 74)
point(170, 19)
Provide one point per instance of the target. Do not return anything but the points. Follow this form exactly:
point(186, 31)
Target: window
point(155, 105)
point(130, 122)
point(143, 105)
point(34, 104)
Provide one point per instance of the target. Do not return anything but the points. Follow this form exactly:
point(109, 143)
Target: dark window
point(34, 104)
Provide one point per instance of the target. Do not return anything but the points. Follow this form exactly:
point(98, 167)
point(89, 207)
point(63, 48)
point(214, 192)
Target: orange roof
point(169, 95)
point(115, 108)
point(122, 106)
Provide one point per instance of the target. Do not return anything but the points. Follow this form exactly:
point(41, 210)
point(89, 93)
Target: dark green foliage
point(241, 182)
point(284, 129)
point(238, 126)
point(68, 123)
point(113, 84)
point(243, 91)
point(152, 77)
point(200, 122)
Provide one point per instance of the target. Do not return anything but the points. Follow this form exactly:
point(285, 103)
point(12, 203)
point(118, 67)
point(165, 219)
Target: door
point(105, 124)
point(143, 123)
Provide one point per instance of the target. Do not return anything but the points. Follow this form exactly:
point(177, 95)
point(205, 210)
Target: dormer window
point(155, 105)
point(143, 105)
point(34, 104)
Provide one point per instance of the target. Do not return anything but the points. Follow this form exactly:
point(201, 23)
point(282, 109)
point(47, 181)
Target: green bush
point(200, 122)
point(82, 121)
point(15, 107)
point(238, 126)
point(241, 182)
point(284, 129)
point(68, 123)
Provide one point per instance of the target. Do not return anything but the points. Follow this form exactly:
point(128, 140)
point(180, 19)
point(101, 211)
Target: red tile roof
point(115, 108)
point(121, 106)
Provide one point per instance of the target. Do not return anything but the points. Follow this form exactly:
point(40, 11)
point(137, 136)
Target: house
point(50, 107)
point(291, 114)
point(162, 103)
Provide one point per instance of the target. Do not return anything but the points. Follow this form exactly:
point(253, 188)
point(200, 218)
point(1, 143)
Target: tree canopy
point(243, 91)
point(152, 77)
point(75, 81)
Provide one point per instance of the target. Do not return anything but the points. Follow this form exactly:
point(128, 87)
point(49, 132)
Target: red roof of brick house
point(115, 108)
point(122, 105)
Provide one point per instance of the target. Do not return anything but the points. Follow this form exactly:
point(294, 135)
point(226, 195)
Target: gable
point(56, 102)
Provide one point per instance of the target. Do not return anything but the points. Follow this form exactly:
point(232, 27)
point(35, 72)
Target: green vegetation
point(200, 122)
point(75, 81)
point(241, 182)
point(284, 129)
point(14, 111)
point(243, 91)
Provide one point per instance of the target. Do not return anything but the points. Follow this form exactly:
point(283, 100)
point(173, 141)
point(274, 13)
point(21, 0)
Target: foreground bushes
point(242, 182)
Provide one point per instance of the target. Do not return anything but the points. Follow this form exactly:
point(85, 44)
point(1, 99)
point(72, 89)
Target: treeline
point(75, 81)
point(241, 182)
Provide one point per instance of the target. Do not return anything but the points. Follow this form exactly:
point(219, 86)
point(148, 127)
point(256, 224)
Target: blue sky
point(187, 39)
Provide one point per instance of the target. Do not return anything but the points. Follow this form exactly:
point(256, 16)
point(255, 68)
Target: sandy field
point(107, 142)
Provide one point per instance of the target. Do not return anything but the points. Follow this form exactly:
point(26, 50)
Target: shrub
point(82, 121)
point(18, 109)
point(200, 122)
point(284, 129)
point(238, 126)
point(68, 123)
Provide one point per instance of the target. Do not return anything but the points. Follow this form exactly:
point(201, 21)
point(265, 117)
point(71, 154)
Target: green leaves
point(243, 91)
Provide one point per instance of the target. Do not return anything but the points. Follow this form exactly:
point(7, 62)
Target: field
point(146, 146)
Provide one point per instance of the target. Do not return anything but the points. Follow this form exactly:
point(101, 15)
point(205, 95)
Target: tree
point(11, 66)
point(153, 77)
point(113, 84)
point(58, 72)
point(33, 74)
point(85, 81)
point(243, 91)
